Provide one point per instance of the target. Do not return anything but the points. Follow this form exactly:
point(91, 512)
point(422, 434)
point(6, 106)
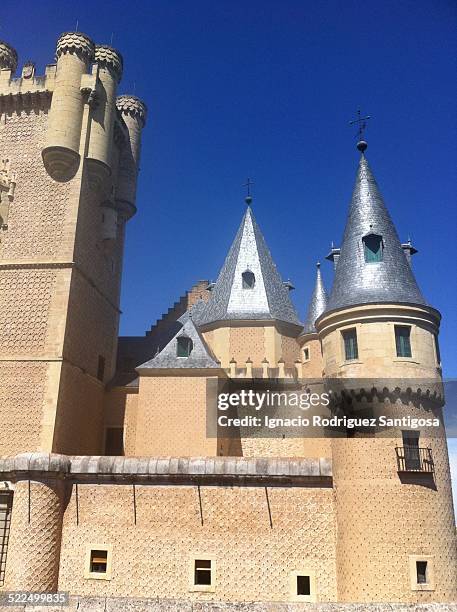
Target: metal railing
point(414, 459)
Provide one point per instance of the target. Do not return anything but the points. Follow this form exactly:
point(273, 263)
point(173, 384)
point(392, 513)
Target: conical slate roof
point(200, 356)
point(360, 282)
point(317, 304)
point(267, 299)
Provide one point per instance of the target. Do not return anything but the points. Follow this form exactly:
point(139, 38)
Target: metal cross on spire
point(361, 123)
point(248, 198)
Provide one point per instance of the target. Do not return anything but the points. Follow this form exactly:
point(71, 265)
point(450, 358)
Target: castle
point(109, 483)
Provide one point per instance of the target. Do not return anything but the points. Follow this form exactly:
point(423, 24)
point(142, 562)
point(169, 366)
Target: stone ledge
point(83, 604)
point(172, 468)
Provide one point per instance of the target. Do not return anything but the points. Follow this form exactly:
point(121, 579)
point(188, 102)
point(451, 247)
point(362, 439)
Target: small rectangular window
point(303, 585)
point(421, 572)
point(184, 346)
point(403, 340)
point(98, 561)
point(306, 354)
point(202, 572)
point(114, 441)
point(101, 368)
point(351, 350)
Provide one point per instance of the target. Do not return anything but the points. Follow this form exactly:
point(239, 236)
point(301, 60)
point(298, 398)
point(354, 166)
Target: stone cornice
point(170, 470)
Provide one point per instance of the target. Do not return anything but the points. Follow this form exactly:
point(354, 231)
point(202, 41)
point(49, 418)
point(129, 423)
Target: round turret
point(134, 113)
point(61, 154)
point(100, 152)
point(76, 43)
point(8, 57)
point(107, 57)
point(132, 106)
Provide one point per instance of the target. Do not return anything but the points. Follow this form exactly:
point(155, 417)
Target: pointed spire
point(372, 267)
point(317, 304)
point(249, 286)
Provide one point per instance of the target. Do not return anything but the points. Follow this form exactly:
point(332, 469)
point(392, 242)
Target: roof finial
point(318, 265)
point(361, 126)
point(248, 198)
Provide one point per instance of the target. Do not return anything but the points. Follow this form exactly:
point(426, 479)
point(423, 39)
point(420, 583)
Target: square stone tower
point(69, 154)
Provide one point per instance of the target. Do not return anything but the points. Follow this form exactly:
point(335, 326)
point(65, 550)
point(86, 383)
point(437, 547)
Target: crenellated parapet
point(75, 43)
point(110, 59)
point(8, 57)
point(133, 107)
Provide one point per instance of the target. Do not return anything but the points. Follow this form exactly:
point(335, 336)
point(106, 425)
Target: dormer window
point(248, 279)
point(184, 346)
point(373, 248)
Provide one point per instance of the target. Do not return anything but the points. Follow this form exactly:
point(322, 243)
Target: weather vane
point(361, 123)
point(248, 198)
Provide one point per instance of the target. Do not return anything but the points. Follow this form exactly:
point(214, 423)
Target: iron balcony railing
point(414, 459)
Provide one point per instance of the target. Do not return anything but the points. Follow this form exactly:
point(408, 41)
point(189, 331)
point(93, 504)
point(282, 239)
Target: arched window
point(372, 247)
point(248, 279)
point(184, 346)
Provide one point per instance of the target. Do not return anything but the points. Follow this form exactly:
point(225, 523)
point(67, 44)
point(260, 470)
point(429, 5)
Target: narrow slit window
point(98, 561)
point(248, 279)
point(351, 349)
point(372, 247)
point(303, 585)
point(421, 572)
point(403, 340)
point(184, 346)
point(202, 572)
point(306, 354)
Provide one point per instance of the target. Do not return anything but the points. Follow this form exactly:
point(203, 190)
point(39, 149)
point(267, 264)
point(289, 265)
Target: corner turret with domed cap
point(372, 267)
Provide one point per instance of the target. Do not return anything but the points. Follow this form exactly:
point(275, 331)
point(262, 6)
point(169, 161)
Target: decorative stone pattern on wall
point(21, 399)
point(233, 527)
point(290, 350)
point(247, 342)
point(381, 521)
point(93, 604)
point(25, 297)
point(88, 310)
point(33, 549)
point(172, 417)
point(38, 223)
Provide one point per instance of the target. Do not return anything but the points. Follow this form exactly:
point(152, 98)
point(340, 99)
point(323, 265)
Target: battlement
point(268, 370)
point(86, 118)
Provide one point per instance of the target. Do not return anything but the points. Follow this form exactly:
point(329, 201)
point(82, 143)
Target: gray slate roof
point(200, 356)
point(269, 298)
point(358, 282)
point(317, 304)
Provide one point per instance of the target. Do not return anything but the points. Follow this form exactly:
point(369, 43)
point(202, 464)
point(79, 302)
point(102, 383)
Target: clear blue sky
point(265, 89)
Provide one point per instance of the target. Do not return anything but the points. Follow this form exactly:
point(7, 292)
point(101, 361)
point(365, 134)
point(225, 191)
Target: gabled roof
point(317, 304)
point(200, 356)
point(359, 282)
point(268, 299)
